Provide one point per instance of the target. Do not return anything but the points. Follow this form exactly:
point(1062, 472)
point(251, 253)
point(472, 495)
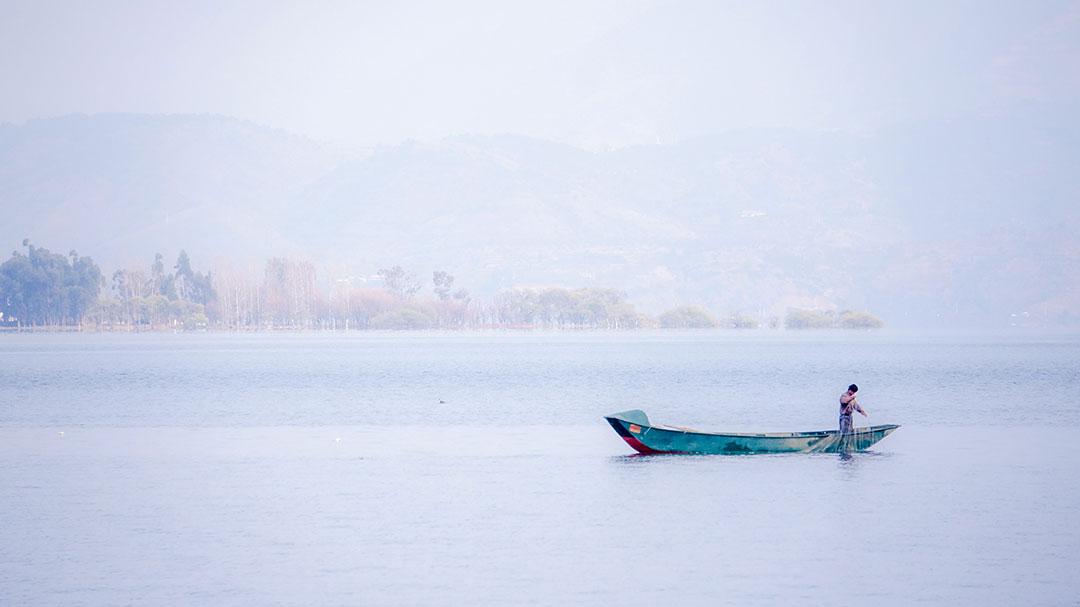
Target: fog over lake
point(916, 162)
point(325, 304)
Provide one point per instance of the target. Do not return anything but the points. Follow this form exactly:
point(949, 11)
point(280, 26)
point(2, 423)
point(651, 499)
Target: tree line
point(43, 289)
point(46, 288)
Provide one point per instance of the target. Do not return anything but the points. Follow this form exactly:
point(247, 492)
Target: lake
point(433, 469)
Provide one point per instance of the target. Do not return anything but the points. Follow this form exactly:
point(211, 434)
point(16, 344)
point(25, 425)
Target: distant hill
point(954, 223)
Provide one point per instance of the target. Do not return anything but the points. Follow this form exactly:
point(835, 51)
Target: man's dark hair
point(853, 388)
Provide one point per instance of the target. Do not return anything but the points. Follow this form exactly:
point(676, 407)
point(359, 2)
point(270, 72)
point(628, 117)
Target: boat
point(645, 437)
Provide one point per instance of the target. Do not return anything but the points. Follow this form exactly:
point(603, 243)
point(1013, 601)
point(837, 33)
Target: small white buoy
point(337, 440)
point(61, 434)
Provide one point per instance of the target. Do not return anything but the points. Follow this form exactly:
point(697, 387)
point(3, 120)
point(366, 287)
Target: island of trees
point(44, 290)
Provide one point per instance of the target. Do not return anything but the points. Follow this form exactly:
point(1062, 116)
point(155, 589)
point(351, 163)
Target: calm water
point(301, 470)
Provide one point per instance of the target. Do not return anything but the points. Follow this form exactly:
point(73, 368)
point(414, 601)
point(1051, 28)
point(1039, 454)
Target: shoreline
point(925, 334)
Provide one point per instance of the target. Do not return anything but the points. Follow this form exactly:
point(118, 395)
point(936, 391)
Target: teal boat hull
point(635, 428)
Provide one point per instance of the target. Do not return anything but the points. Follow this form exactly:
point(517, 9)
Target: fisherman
point(848, 405)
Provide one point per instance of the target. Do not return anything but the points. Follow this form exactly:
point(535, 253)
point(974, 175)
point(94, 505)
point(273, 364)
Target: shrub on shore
point(741, 321)
point(405, 318)
point(688, 317)
point(799, 319)
point(850, 319)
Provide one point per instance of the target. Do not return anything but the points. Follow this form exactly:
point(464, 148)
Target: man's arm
point(859, 408)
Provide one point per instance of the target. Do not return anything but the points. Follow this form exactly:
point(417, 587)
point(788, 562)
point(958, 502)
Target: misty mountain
point(119, 186)
point(965, 220)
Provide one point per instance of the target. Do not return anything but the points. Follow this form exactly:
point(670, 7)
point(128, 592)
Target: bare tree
point(403, 285)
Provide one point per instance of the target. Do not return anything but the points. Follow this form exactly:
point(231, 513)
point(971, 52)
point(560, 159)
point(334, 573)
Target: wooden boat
point(645, 437)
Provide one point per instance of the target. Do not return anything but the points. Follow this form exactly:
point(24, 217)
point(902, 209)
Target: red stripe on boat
point(639, 446)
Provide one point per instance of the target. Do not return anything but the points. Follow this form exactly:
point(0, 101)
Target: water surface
point(323, 470)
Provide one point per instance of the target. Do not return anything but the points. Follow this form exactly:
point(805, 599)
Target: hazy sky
point(597, 74)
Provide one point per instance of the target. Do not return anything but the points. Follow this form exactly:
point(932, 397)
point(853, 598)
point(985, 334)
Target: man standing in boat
point(848, 406)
